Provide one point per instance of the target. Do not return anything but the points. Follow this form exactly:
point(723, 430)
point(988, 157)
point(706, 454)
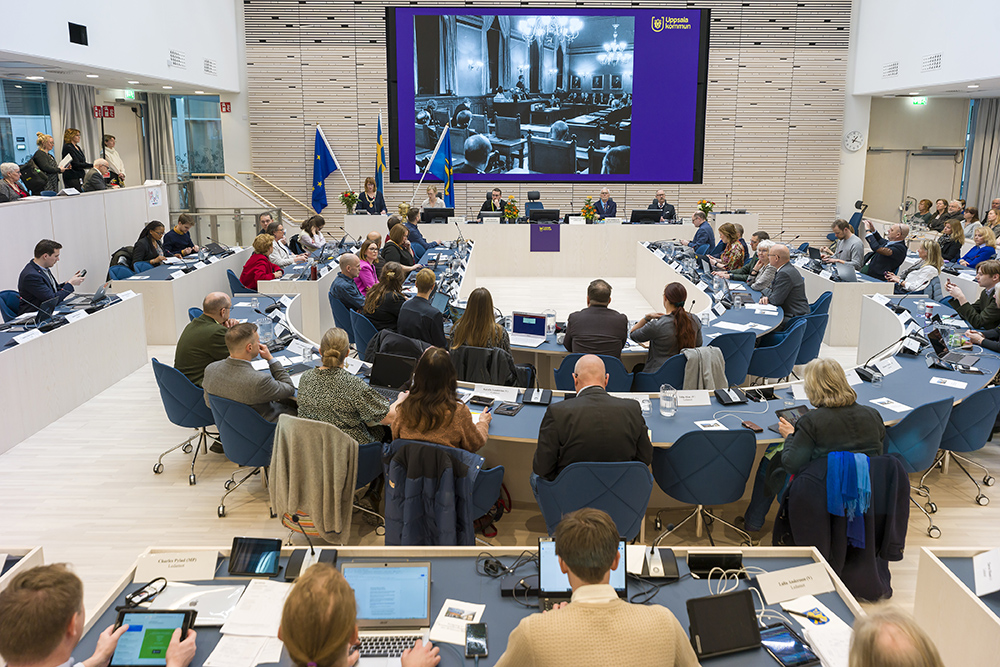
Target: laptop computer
point(815, 254)
point(528, 329)
point(553, 585)
point(845, 272)
point(394, 608)
point(88, 299)
point(389, 373)
point(944, 353)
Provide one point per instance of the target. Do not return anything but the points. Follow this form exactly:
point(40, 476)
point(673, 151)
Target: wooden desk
point(844, 326)
point(19, 559)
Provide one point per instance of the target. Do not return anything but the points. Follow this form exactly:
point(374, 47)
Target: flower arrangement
point(589, 211)
point(349, 199)
point(510, 210)
point(706, 206)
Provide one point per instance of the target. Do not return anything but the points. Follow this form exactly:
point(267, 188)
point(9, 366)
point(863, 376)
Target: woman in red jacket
point(259, 266)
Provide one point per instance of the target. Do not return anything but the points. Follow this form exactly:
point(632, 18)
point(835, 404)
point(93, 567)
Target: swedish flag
point(379, 157)
point(324, 165)
point(440, 166)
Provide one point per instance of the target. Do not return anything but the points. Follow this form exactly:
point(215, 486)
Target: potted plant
point(510, 210)
point(589, 211)
point(349, 199)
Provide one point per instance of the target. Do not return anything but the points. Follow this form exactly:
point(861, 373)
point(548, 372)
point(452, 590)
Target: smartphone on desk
point(475, 640)
point(786, 647)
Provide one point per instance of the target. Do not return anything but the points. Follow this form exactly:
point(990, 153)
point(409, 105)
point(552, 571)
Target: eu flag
point(324, 165)
point(441, 167)
point(379, 157)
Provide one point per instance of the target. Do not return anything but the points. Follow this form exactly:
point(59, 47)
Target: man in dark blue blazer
point(418, 318)
point(36, 284)
point(606, 206)
point(667, 211)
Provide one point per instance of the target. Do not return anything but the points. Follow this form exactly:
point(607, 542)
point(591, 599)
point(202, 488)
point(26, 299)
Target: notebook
point(553, 584)
point(394, 609)
point(528, 329)
point(389, 373)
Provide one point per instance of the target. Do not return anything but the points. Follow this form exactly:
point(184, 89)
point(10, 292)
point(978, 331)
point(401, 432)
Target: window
point(535, 56)
point(493, 48)
point(24, 110)
point(197, 126)
point(428, 36)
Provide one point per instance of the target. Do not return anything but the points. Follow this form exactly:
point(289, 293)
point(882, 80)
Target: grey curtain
point(161, 138)
point(505, 79)
point(484, 51)
point(984, 160)
point(449, 57)
point(76, 104)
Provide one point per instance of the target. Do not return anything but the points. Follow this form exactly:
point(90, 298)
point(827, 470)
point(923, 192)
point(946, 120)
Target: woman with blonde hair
point(837, 424)
point(886, 636)
point(331, 394)
point(46, 162)
point(984, 249)
point(78, 166)
point(319, 623)
point(384, 299)
point(920, 274)
point(951, 240)
point(478, 325)
point(432, 200)
point(259, 266)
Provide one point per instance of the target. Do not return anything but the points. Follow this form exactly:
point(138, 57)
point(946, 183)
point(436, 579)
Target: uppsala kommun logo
point(657, 24)
point(661, 23)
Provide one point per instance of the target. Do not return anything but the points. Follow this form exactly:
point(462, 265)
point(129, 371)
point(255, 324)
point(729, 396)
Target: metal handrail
point(251, 191)
point(256, 175)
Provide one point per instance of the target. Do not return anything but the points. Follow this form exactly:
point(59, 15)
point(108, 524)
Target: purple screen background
point(664, 97)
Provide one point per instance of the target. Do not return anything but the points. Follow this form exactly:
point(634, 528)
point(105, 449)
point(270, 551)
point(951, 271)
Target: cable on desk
point(646, 596)
point(488, 565)
point(520, 584)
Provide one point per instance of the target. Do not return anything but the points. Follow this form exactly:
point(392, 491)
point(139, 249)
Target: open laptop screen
point(937, 342)
point(532, 324)
point(391, 370)
point(390, 593)
point(551, 579)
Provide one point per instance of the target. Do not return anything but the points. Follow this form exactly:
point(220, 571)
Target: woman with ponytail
point(384, 299)
point(331, 394)
point(668, 332)
point(319, 626)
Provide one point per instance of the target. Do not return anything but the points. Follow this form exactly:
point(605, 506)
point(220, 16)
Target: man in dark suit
point(418, 318)
point(234, 378)
point(788, 289)
point(888, 253)
point(597, 329)
point(606, 206)
point(36, 284)
point(667, 211)
point(591, 427)
point(95, 178)
point(494, 203)
point(477, 155)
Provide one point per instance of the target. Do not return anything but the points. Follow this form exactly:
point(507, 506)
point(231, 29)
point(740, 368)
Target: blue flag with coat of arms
point(440, 166)
point(324, 165)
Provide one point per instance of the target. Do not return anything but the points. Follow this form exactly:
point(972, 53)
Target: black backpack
point(34, 178)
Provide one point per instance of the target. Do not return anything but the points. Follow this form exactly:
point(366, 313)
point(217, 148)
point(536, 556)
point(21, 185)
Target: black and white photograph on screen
point(514, 90)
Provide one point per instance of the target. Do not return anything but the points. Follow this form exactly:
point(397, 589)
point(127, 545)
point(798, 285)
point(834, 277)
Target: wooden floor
point(83, 488)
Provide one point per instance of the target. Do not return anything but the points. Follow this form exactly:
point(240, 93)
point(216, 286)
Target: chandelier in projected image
point(555, 28)
point(614, 51)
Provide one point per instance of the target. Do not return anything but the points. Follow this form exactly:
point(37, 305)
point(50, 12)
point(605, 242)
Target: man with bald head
point(95, 178)
point(888, 253)
point(203, 340)
point(667, 211)
point(594, 426)
point(343, 286)
point(477, 155)
point(788, 289)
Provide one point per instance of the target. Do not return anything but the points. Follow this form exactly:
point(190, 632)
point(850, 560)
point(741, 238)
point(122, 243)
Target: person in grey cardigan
point(234, 378)
point(788, 290)
point(850, 249)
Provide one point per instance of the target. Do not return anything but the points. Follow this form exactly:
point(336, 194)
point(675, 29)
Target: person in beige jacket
point(577, 632)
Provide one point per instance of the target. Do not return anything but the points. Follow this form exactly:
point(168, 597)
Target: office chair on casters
point(235, 286)
point(705, 468)
point(671, 372)
point(737, 349)
point(619, 380)
point(915, 441)
point(184, 403)
point(10, 304)
point(533, 202)
point(969, 428)
point(247, 439)
point(777, 361)
point(620, 488)
point(812, 339)
point(341, 315)
point(364, 331)
point(194, 313)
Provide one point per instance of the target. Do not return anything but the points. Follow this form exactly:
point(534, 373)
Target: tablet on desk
point(145, 642)
point(792, 415)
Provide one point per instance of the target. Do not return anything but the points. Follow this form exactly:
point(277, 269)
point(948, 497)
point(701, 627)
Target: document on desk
point(137, 278)
point(954, 384)
point(880, 299)
point(259, 364)
point(736, 286)
point(890, 404)
point(240, 651)
point(852, 377)
point(452, 619)
point(827, 634)
point(258, 613)
point(711, 425)
point(732, 326)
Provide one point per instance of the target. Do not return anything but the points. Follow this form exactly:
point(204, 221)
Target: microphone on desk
point(211, 240)
point(295, 520)
point(277, 305)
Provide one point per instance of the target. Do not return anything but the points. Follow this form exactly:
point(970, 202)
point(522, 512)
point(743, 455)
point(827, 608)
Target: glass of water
point(668, 400)
point(550, 322)
point(706, 317)
point(254, 303)
point(876, 379)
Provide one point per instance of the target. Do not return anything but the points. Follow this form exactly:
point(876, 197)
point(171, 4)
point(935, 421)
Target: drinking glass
point(668, 400)
point(550, 322)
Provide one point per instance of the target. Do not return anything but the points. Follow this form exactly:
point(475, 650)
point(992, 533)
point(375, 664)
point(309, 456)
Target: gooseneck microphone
point(295, 520)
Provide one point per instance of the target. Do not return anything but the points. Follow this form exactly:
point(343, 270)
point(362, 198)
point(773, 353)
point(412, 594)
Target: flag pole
point(430, 162)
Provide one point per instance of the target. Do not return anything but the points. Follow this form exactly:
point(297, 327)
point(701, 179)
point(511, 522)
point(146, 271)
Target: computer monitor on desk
point(645, 215)
point(436, 215)
point(543, 215)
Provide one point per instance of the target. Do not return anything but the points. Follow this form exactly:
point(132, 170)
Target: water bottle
point(668, 401)
point(254, 303)
point(928, 310)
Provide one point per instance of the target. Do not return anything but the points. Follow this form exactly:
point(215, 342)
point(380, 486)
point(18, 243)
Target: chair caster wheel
point(380, 530)
point(934, 532)
point(157, 468)
point(989, 480)
point(229, 484)
point(931, 508)
point(271, 512)
point(982, 500)
point(192, 480)
point(222, 511)
point(186, 449)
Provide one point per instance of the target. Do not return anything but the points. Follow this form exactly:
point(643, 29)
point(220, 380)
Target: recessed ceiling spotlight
point(973, 85)
point(93, 76)
point(168, 88)
point(133, 82)
point(199, 92)
point(17, 85)
point(35, 78)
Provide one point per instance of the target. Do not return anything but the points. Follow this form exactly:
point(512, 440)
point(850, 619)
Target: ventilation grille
point(211, 67)
point(178, 59)
point(890, 70)
point(930, 63)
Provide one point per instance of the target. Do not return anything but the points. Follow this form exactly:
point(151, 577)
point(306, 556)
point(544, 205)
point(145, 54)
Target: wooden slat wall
point(773, 125)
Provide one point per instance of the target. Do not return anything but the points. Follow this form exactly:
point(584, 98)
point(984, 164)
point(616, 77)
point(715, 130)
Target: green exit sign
point(129, 94)
point(918, 101)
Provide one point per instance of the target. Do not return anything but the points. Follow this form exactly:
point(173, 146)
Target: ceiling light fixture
point(35, 78)
point(93, 76)
point(199, 92)
point(168, 88)
point(973, 85)
point(133, 82)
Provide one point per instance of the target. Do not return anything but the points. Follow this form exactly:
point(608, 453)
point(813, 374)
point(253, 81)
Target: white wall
point(131, 37)
point(963, 31)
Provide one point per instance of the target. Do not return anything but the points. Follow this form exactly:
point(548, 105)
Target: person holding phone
point(42, 620)
point(36, 284)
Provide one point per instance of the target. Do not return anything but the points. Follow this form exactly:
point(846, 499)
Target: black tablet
point(792, 415)
point(722, 624)
point(145, 642)
point(254, 557)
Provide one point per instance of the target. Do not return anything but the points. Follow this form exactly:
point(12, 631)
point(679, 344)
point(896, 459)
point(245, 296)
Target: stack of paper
point(452, 619)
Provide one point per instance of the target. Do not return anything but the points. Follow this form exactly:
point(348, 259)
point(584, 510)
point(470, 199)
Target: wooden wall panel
point(774, 118)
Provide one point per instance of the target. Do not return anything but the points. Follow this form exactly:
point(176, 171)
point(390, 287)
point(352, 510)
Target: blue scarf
point(849, 492)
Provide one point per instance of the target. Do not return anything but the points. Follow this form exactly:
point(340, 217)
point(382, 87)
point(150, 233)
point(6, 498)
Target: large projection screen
point(579, 95)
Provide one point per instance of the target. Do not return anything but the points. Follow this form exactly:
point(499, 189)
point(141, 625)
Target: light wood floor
point(83, 488)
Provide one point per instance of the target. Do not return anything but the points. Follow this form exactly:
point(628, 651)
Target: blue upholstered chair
point(621, 489)
point(777, 361)
point(619, 380)
point(364, 331)
point(671, 372)
point(705, 468)
point(10, 304)
point(120, 272)
point(194, 313)
point(934, 291)
point(247, 440)
point(235, 286)
point(341, 315)
point(813, 338)
point(915, 441)
point(737, 349)
point(184, 403)
point(533, 202)
point(140, 267)
point(822, 304)
point(969, 428)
